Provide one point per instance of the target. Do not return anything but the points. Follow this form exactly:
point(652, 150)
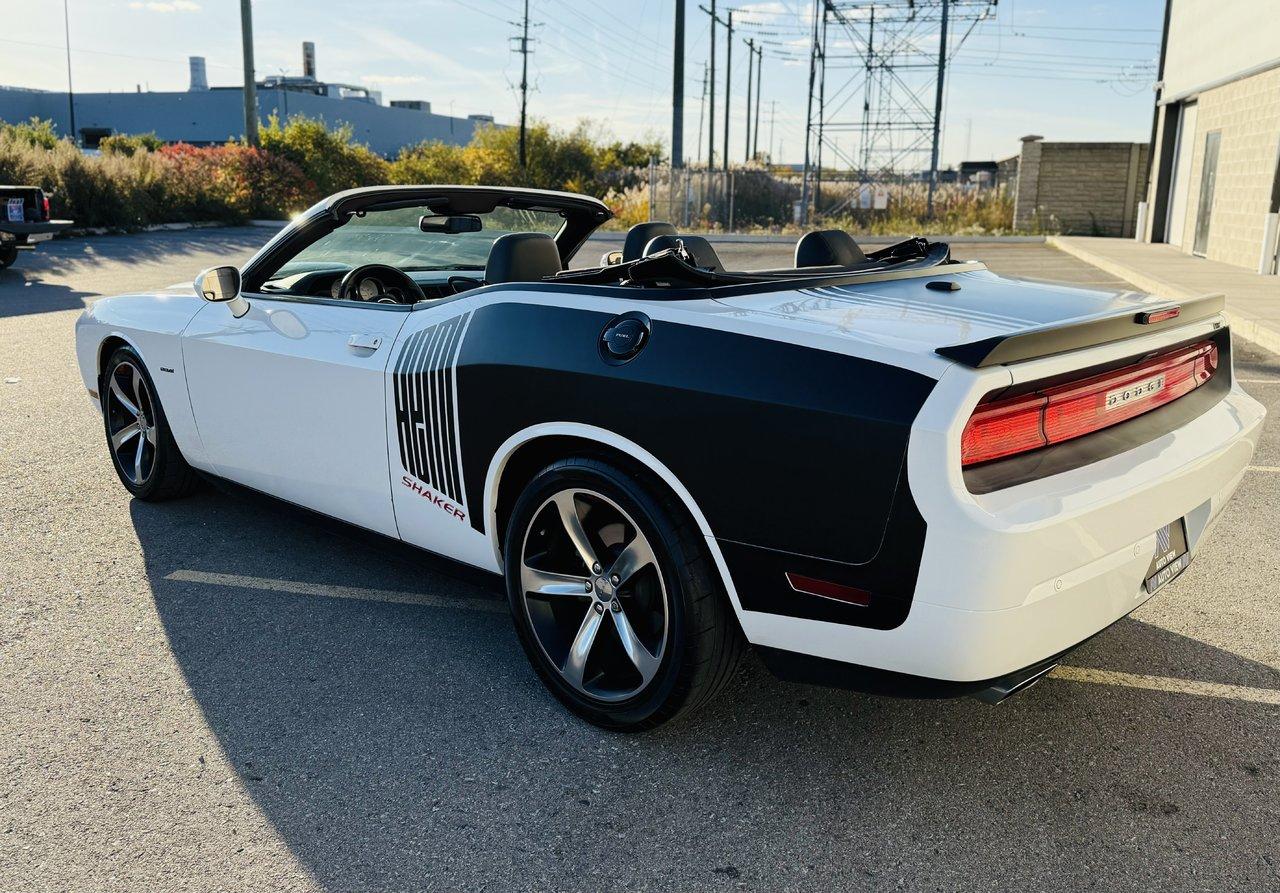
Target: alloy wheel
point(131, 423)
point(594, 595)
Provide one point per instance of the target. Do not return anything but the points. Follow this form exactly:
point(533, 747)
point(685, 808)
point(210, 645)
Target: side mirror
point(221, 285)
point(611, 258)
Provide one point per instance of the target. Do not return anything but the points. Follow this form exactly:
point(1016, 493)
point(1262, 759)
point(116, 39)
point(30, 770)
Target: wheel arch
point(527, 452)
point(109, 345)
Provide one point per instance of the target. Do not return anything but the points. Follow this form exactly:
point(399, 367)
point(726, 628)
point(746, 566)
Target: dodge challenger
point(891, 470)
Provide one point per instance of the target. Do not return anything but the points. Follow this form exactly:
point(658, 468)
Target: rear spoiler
point(1060, 338)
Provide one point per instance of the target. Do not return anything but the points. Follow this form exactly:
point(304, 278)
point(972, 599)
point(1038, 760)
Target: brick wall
point(1079, 188)
point(1247, 114)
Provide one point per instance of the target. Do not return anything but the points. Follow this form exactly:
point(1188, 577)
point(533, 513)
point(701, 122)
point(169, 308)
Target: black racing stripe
point(784, 447)
point(425, 421)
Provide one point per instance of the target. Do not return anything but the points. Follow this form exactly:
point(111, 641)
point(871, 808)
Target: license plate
point(38, 237)
point(1136, 391)
point(16, 212)
point(1171, 557)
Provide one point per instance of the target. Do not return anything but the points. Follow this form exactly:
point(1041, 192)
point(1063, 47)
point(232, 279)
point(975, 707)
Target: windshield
point(393, 237)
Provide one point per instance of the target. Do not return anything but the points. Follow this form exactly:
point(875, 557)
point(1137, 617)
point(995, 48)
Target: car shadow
point(23, 292)
point(51, 278)
point(402, 746)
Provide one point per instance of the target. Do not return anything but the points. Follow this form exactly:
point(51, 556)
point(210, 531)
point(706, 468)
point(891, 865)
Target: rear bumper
point(1011, 578)
point(22, 234)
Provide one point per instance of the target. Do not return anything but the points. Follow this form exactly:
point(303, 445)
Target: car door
point(288, 400)
point(424, 447)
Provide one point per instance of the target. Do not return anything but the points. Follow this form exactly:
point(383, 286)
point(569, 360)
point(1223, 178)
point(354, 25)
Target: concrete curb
point(1248, 329)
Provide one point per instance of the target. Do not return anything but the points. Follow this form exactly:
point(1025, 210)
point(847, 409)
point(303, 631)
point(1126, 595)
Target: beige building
point(1214, 186)
point(1090, 189)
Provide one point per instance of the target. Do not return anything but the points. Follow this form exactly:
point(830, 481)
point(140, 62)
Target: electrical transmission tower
point(878, 73)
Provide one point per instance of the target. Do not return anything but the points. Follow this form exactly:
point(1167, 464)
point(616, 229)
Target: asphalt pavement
point(221, 694)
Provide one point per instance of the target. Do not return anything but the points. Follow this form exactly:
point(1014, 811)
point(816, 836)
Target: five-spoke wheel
point(614, 596)
point(131, 428)
point(142, 448)
point(594, 595)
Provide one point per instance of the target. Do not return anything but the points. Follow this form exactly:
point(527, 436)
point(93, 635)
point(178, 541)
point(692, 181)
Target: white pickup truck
point(24, 221)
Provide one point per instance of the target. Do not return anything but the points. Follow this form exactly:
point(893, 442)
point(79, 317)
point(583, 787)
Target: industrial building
point(1214, 188)
point(204, 115)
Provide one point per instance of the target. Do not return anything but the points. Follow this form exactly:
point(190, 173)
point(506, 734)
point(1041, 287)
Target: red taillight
point(44, 205)
point(1006, 427)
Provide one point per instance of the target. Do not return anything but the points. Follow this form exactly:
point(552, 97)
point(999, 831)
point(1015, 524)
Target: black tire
point(165, 474)
point(7, 256)
point(701, 644)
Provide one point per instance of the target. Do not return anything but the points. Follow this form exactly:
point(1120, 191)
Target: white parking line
point(1258, 381)
point(358, 593)
point(1168, 684)
point(1271, 468)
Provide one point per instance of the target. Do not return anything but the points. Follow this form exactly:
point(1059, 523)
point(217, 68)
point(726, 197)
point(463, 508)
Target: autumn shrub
point(581, 159)
point(232, 183)
point(129, 144)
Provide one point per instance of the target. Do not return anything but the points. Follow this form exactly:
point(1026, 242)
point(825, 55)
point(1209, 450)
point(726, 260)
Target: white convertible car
point(889, 471)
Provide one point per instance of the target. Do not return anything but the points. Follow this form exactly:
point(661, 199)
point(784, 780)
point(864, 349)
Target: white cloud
point(166, 5)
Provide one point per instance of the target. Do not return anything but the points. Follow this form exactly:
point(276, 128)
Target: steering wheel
point(459, 284)
point(403, 291)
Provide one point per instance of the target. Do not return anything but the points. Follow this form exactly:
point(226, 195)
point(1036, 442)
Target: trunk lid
point(967, 325)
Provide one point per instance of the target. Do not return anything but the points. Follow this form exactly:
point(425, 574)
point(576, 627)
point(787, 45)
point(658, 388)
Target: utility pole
point(677, 91)
point(702, 109)
point(250, 85)
point(866, 99)
point(822, 109)
point(751, 59)
point(728, 86)
point(773, 114)
point(524, 83)
point(755, 136)
point(711, 118)
point(937, 105)
point(71, 93)
point(808, 117)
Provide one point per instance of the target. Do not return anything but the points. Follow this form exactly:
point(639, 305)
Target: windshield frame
point(582, 215)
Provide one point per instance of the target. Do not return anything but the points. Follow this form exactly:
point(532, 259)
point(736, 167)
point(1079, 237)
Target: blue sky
point(1068, 71)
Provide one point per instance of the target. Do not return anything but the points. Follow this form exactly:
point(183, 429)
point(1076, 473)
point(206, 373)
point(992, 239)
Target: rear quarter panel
point(782, 446)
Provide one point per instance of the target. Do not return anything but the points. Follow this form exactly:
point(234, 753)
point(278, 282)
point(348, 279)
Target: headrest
point(640, 235)
point(828, 248)
point(704, 256)
point(522, 257)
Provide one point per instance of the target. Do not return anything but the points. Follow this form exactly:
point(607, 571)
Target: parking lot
point(217, 693)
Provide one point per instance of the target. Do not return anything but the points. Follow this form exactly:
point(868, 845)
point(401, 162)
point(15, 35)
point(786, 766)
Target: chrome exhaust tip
point(1012, 684)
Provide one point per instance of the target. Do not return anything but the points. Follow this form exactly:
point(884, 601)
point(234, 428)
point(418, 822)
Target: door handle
point(365, 342)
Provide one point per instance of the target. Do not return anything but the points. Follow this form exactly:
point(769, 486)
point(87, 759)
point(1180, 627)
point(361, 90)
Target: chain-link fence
point(753, 197)
point(694, 199)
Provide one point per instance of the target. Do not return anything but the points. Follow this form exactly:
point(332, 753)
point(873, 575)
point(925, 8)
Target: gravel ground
point(164, 728)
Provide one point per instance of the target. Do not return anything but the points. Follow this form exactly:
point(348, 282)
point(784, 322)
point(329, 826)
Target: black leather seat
point(522, 257)
point(641, 235)
point(704, 256)
point(828, 248)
